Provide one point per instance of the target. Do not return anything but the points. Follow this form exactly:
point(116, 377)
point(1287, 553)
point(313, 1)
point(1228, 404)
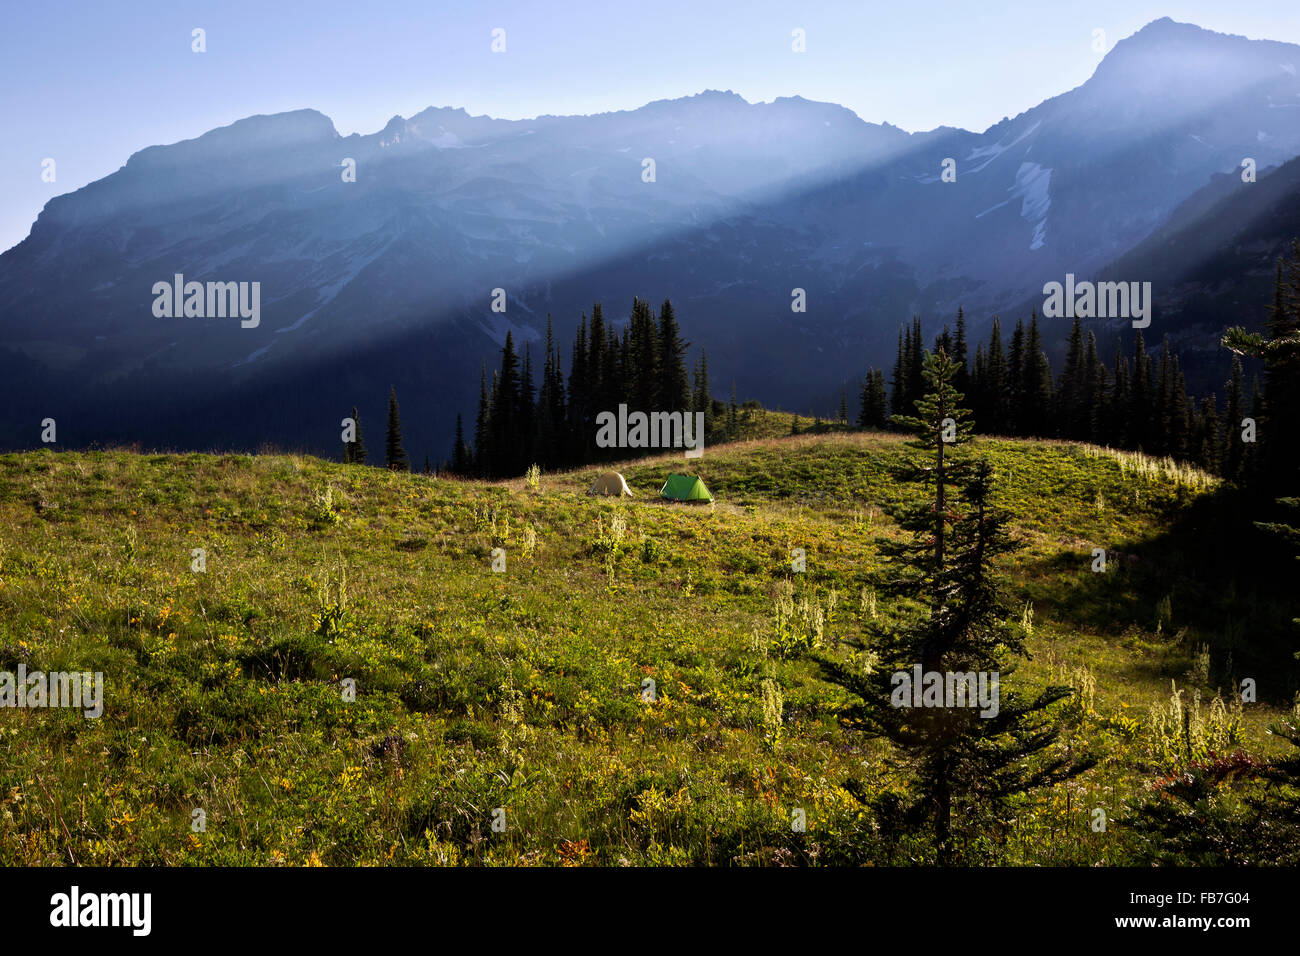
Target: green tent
point(685, 488)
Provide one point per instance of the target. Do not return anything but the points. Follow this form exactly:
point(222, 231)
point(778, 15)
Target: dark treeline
point(1276, 466)
point(1139, 401)
point(532, 416)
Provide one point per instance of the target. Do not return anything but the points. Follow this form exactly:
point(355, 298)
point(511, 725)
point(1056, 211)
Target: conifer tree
point(997, 385)
point(482, 425)
point(978, 395)
point(943, 342)
point(527, 428)
point(616, 381)
point(916, 368)
point(1206, 439)
point(879, 400)
point(1161, 415)
point(394, 454)
point(461, 459)
point(962, 380)
point(1094, 392)
point(1281, 354)
point(703, 399)
point(898, 384)
point(580, 397)
point(1231, 452)
point(1252, 463)
point(598, 362)
point(733, 424)
point(354, 452)
point(1180, 416)
point(643, 382)
point(674, 385)
point(1278, 459)
point(939, 426)
point(957, 757)
point(542, 407)
point(505, 425)
point(1037, 384)
point(1070, 402)
point(1119, 404)
point(559, 411)
point(1141, 402)
point(874, 412)
point(549, 414)
point(1016, 417)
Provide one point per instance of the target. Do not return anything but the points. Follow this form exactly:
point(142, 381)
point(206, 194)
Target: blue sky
point(88, 84)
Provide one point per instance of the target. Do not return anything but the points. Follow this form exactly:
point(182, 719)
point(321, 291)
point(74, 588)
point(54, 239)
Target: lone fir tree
point(964, 761)
point(394, 454)
point(874, 411)
point(354, 452)
point(462, 459)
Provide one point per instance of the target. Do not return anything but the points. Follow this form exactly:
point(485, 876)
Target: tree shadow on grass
point(1231, 586)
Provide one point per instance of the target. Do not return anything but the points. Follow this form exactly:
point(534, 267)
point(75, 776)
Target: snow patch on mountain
point(1032, 187)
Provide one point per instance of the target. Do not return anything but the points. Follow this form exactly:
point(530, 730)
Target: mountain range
point(389, 279)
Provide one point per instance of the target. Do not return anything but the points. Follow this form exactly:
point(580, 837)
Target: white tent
point(611, 483)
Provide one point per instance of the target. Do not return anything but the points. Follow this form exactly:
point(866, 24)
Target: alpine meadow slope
point(637, 684)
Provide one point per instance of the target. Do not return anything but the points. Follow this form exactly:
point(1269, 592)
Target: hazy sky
point(90, 83)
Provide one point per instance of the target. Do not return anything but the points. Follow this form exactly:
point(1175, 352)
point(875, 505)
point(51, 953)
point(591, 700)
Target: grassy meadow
point(506, 717)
